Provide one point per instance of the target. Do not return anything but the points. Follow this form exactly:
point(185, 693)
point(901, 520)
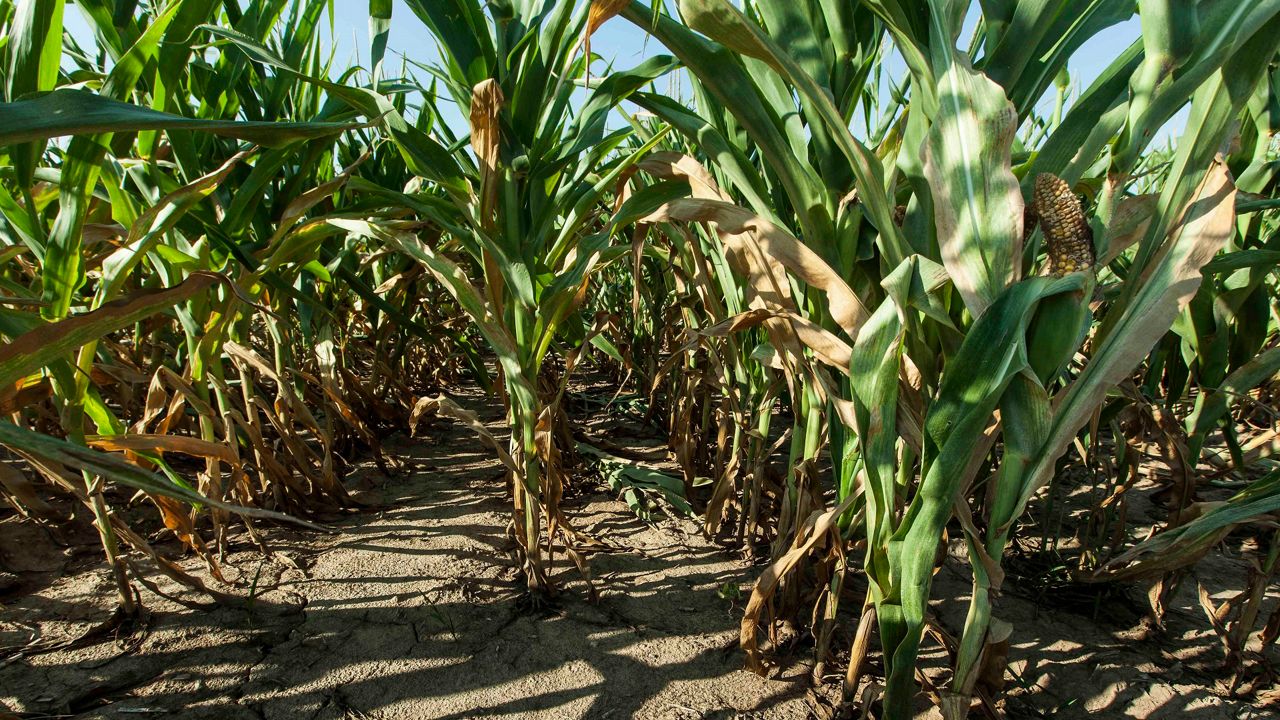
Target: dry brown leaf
point(17, 485)
point(773, 250)
point(449, 408)
point(161, 444)
point(601, 11)
point(177, 517)
point(815, 528)
point(486, 102)
point(1129, 223)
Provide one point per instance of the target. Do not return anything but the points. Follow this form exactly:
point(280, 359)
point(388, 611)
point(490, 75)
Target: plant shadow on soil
point(410, 611)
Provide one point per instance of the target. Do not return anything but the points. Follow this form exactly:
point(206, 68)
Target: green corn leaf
point(424, 155)
point(992, 356)
point(1252, 258)
point(61, 452)
point(43, 345)
point(35, 51)
point(80, 112)
point(460, 25)
point(379, 30)
point(977, 201)
point(1184, 545)
point(721, 20)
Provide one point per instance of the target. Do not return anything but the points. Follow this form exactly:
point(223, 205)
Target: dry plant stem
point(110, 546)
point(858, 651)
point(1238, 636)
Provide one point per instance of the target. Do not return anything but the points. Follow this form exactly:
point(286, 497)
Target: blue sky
point(626, 45)
point(623, 43)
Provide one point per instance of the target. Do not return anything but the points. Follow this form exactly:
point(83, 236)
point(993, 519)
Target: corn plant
point(1016, 337)
point(524, 210)
point(217, 242)
point(222, 297)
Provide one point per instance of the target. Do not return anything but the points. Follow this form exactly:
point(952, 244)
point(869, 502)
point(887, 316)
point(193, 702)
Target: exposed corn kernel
point(1068, 237)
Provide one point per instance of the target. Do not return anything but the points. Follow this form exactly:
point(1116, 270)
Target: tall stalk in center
point(518, 232)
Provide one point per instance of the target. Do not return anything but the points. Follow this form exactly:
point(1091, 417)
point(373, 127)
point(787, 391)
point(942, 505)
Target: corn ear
point(1061, 320)
point(1068, 238)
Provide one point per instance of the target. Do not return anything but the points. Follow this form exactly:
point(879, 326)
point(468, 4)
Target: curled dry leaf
point(37, 348)
point(816, 528)
point(486, 102)
point(444, 406)
point(601, 11)
point(769, 251)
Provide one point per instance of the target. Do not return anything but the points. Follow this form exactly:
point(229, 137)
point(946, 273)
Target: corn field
point(876, 299)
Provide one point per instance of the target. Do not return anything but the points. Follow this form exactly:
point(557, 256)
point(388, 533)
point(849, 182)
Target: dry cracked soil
point(408, 610)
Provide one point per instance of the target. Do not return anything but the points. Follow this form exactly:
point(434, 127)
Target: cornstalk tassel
point(1068, 237)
